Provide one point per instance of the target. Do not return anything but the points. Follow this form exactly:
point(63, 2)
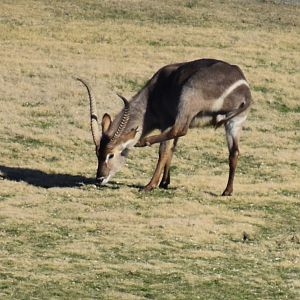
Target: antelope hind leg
point(233, 129)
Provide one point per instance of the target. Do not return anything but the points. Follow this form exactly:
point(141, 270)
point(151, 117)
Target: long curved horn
point(124, 119)
point(94, 116)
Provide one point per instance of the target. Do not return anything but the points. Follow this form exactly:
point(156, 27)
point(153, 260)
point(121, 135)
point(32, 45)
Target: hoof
point(227, 193)
point(164, 185)
point(148, 188)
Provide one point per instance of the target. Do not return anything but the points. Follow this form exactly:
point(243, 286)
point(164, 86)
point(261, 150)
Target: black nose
point(99, 180)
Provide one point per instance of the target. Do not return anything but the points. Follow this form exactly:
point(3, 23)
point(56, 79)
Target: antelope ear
point(127, 138)
point(106, 121)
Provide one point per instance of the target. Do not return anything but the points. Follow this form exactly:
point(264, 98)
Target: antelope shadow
point(42, 179)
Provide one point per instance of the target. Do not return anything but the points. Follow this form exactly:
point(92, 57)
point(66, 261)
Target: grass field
point(61, 237)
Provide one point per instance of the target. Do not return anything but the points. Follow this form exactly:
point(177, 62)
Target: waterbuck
point(169, 102)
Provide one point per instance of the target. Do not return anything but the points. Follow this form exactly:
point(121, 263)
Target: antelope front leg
point(174, 132)
point(165, 181)
point(164, 157)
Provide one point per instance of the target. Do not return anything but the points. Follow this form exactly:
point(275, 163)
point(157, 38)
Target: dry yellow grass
point(61, 239)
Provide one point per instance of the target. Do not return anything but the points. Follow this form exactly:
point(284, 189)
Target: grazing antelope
point(169, 102)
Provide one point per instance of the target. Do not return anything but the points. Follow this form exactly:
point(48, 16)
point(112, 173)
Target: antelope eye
point(110, 156)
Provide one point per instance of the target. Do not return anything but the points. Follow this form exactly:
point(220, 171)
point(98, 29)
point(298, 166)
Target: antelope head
point(112, 145)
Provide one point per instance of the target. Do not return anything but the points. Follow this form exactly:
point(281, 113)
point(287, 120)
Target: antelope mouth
point(102, 180)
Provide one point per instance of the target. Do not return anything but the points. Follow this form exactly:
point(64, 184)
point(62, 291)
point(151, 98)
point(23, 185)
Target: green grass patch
point(63, 237)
